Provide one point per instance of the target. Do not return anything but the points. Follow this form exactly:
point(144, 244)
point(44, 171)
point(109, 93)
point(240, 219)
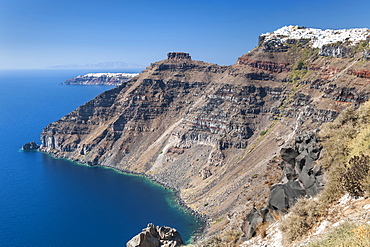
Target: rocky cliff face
point(214, 133)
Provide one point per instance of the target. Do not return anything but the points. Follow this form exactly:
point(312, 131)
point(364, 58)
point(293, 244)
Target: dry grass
point(305, 214)
point(347, 234)
point(343, 139)
point(348, 136)
point(230, 238)
point(262, 229)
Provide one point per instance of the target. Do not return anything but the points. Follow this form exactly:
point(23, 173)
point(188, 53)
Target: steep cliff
point(214, 133)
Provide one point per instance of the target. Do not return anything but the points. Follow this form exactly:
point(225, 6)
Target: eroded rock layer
point(213, 133)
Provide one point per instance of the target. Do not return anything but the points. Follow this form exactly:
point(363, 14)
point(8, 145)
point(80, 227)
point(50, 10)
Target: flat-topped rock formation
point(178, 55)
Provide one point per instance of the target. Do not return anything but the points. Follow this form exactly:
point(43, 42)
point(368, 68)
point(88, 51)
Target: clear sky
point(41, 33)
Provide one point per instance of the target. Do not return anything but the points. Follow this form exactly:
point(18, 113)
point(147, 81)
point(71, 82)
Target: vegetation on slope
point(346, 162)
point(347, 234)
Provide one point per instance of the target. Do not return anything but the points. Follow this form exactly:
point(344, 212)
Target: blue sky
point(41, 33)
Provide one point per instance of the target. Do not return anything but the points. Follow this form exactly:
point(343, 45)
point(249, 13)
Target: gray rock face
point(339, 51)
point(153, 236)
point(30, 146)
point(254, 219)
point(274, 46)
point(302, 176)
point(366, 55)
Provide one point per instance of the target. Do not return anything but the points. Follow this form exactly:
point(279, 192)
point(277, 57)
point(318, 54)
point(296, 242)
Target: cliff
point(100, 79)
point(214, 133)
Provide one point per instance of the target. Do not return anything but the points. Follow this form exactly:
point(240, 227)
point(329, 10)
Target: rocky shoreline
point(201, 217)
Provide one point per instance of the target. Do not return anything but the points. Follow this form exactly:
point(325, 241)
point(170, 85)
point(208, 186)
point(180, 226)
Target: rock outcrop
point(178, 55)
point(214, 133)
point(255, 219)
point(152, 236)
point(336, 50)
point(30, 146)
point(302, 176)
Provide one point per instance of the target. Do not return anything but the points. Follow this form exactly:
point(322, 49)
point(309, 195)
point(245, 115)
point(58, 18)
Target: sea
point(53, 202)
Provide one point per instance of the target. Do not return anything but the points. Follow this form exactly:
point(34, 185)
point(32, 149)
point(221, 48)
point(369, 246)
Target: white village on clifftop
point(319, 37)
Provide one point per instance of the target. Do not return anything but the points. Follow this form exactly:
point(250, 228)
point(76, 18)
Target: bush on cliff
point(346, 162)
point(304, 215)
point(347, 144)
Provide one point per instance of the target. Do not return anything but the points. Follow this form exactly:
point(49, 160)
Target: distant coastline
point(100, 79)
point(123, 66)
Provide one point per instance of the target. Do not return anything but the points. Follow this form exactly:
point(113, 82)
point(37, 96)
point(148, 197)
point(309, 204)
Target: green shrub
point(346, 164)
point(262, 133)
point(354, 177)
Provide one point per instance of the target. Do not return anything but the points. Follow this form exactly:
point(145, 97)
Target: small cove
point(51, 202)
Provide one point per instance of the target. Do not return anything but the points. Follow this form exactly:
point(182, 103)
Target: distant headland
point(100, 79)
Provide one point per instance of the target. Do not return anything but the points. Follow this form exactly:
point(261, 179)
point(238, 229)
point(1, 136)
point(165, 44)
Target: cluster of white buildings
point(126, 75)
point(319, 37)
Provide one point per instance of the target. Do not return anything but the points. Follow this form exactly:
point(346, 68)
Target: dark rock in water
point(30, 146)
point(153, 236)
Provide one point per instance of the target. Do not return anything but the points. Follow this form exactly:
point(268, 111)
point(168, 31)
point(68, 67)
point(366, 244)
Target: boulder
point(254, 219)
point(30, 146)
point(283, 196)
point(302, 177)
point(251, 222)
point(152, 236)
point(205, 173)
point(288, 155)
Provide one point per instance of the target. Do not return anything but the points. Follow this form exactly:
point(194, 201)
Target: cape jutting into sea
point(51, 202)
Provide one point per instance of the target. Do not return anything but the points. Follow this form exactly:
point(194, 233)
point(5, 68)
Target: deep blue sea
point(50, 202)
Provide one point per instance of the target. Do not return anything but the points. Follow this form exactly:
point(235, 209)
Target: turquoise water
point(51, 202)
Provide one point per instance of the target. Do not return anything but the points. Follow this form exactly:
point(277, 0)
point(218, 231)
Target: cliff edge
point(211, 132)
